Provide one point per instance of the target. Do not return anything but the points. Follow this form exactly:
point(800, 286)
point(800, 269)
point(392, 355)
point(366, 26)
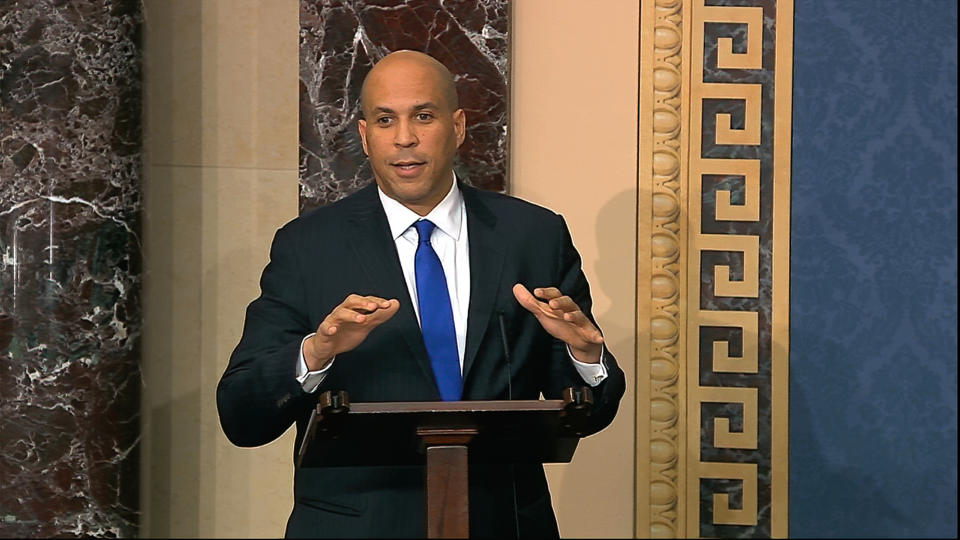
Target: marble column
point(69, 267)
point(339, 42)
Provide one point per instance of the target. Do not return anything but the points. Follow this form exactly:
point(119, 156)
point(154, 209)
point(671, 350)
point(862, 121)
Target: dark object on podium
point(439, 434)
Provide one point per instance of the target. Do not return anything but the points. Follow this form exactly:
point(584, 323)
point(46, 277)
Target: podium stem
point(448, 514)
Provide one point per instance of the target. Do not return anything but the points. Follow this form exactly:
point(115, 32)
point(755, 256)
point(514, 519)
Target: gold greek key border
point(746, 287)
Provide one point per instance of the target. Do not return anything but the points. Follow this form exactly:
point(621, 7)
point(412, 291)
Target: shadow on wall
point(615, 271)
point(171, 468)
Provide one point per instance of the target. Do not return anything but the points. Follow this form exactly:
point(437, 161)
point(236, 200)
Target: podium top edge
point(456, 406)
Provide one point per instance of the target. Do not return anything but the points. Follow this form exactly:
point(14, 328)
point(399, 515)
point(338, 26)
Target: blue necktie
point(436, 315)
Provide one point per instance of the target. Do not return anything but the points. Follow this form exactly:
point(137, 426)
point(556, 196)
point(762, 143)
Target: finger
point(534, 306)
point(525, 299)
point(357, 303)
point(564, 303)
point(547, 293)
point(346, 315)
point(587, 328)
point(364, 304)
point(382, 303)
point(384, 314)
point(584, 326)
point(578, 318)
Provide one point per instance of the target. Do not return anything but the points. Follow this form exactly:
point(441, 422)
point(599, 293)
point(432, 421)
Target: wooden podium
point(447, 436)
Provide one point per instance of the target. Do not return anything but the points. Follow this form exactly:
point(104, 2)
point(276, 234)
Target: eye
point(424, 116)
point(384, 120)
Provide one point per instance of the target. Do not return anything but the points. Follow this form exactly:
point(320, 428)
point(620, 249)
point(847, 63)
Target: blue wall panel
point(873, 391)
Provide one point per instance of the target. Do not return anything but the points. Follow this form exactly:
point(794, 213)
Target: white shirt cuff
point(310, 380)
point(592, 374)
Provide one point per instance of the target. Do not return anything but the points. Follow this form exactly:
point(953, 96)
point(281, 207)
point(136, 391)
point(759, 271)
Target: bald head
point(402, 66)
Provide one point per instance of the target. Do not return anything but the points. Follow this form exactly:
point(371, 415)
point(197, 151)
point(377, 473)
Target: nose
point(405, 136)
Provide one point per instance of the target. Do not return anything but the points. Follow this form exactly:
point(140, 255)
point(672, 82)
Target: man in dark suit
point(396, 293)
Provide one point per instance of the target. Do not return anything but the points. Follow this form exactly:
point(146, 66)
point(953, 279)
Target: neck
point(424, 206)
point(422, 209)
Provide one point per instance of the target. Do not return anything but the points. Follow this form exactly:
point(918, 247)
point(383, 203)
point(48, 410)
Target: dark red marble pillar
point(69, 267)
point(339, 42)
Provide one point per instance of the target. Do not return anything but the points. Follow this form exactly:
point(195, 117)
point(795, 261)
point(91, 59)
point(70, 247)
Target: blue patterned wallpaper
point(873, 391)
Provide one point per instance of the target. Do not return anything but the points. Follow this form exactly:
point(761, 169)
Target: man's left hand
point(561, 317)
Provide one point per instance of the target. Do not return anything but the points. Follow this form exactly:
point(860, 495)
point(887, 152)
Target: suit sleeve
point(259, 396)
point(572, 282)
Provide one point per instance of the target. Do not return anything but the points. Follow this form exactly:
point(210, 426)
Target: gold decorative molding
point(780, 286)
point(661, 173)
point(713, 218)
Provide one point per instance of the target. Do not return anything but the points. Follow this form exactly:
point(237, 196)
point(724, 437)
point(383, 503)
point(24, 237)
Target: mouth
point(408, 167)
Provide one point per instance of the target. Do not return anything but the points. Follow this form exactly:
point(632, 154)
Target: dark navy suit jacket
point(321, 257)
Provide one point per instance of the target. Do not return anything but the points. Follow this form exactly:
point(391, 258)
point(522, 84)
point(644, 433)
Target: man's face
point(410, 133)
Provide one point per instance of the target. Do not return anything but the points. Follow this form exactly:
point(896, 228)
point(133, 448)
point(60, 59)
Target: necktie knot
point(424, 230)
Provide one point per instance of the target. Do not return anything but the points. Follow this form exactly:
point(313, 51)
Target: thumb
point(525, 299)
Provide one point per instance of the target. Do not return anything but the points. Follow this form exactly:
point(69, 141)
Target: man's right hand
point(346, 327)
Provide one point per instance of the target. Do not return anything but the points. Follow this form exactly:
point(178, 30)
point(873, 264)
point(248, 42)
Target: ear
point(460, 125)
point(362, 128)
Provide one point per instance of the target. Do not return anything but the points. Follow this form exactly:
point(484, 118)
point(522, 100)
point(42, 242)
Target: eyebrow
point(417, 107)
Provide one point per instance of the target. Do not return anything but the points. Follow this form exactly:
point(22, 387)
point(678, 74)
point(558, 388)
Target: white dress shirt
point(449, 240)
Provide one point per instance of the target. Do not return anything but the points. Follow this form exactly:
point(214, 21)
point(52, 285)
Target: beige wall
point(221, 175)
point(573, 149)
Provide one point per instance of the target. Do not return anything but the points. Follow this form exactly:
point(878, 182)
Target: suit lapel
point(486, 263)
point(376, 252)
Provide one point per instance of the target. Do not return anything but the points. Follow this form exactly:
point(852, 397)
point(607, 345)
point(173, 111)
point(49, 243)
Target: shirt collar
point(447, 215)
